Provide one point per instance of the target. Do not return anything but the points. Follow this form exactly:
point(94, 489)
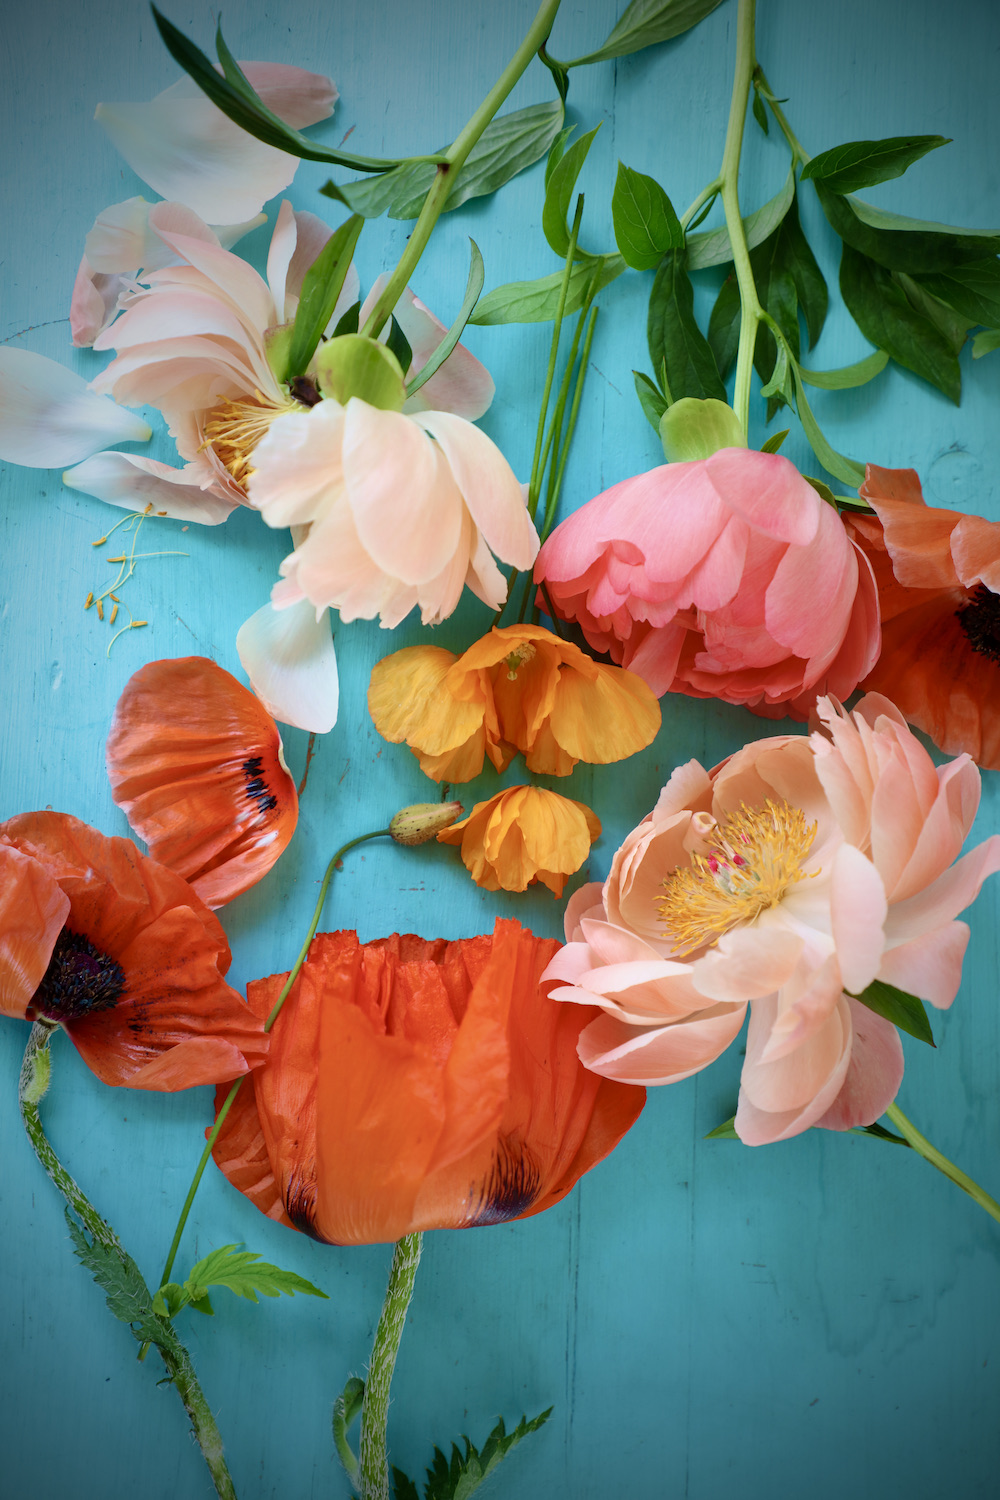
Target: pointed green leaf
point(169, 1299)
point(724, 325)
point(560, 74)
point(369, 196)
point(693, 429)
point(898, 1006)
point(882, 312)
point(398, 346)
point(321, 286)
point(845, 469)
point(674, 336)
point(537, 301)
point(860, 164)
point(646, 225)
point(713, 247)
point(775, 441)
point(822, 489)
point(559, 191)
point(880, 1133)
point(557, 151)
point(509, 143)
point(349, 322)
point(973, 290)
point(985, 342)
point(760, 110)
point(474, 286)
point(848, 376)
point(403, 1487)
point(902, 244)
point(810, 284)
point(346, 1407)
point(460, 1477)
point(646, 22)
point(651, 398)
point(724, 1132)
point(245, 1274)
point(953, 328)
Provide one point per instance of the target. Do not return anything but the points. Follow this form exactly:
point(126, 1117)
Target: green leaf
point(848, 376)
point(724, 325)
point(236, 98)
point(559, 191)
point(880, 1133)
point(346, 1407)
point(973, 290)
point(674, 336)
point(775, 441)
point(810, 284)
point(557, 150)
point(779, 386)
point(845, 469)
point(245, 1274)
point(902, 1009)
point(651, 398)
point(321, 286)
point(403, 1487)
point(169, 1299)
point(985, 342)
point(760, 110)
point(537, 301)
point(560, 74)
point(696, 429)
point(646, 22)
point(509, 143)
point(369, 196)
point(398, 346)
point(901, 244)
point(462, 1476)
point(822, 489)
point(881, 310)
point(349, 322)
point(776, 291)
point(724, 1132)
point(117, 1274)
point(473, 287)
point(713, 247)
point(859, 164)
point(952, 328)
point(646, 225)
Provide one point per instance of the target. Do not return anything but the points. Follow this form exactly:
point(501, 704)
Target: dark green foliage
point(675, 340)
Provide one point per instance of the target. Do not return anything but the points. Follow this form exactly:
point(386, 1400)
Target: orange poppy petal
point(32, 913)
point(547, 757)
point(195, 762)
point(975, 546)
point(917, 535)
point(240, 1152)
point(409, 700)
point(606, 719)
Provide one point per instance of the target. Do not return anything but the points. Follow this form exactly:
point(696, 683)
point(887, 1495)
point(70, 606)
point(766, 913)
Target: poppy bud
point(423, 821)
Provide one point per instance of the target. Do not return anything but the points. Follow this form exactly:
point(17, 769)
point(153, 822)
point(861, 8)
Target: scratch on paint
point(310, 752)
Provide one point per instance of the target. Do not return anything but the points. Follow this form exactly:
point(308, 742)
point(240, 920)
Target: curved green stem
point(36, 1072)
point(220, 1119)
point(930, 1153)
point(375, 1409)
point(750, 308)
point(707, 193)
point(799, 155)
point(454, 159)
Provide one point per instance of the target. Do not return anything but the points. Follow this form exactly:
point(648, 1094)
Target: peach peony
point(788, 879)
point(722, 578)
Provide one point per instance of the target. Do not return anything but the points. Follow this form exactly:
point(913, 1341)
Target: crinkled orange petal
point(32, 912)
point(524, 694)
point(975, 546)
point(918, 536)
point(195, 762)
point(606, 719)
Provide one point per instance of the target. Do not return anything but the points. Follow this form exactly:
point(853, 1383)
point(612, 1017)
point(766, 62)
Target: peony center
point(79, 980)
point(747, 863)
point(234, 428)
point(980, 620)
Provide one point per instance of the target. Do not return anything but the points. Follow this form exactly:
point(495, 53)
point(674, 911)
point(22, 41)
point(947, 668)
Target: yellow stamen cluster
point(747, 864)
point(516, 658)
point(234, 428)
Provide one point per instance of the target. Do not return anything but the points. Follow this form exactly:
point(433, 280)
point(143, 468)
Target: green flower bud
point(423, 821)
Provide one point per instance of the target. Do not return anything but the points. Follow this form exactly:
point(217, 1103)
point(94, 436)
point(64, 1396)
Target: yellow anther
point(114, 613)
point(90, 600)
point(100, 610)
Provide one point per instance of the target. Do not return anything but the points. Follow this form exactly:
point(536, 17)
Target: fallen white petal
point(289, 658)
point(133, 482)
point(49, 416)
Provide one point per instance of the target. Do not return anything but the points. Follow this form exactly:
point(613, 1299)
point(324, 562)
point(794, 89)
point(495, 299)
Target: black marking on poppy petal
point(79, 981)
point(256, 789)
point(980, 620)
point(300, 1200)
point(510, 1187)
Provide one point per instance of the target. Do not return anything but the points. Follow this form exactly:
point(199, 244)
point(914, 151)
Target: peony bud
point(423, 821)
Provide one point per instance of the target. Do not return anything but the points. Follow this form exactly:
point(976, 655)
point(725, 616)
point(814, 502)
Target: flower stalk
point(36, 1073)
point(930, 1153)
point(375, 1408)
point(751, 311)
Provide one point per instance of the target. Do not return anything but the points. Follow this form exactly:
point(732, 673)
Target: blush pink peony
point(726, 578)
point(786, 880)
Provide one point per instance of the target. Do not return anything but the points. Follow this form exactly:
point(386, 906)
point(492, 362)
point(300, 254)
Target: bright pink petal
point(768, 492)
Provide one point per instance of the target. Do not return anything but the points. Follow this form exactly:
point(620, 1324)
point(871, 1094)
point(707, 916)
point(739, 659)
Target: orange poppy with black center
point(119, 951)
point(415, 1084)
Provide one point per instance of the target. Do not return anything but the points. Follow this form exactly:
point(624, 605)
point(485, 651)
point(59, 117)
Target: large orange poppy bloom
point(119, 951)
point(938, 576)
point(518, 688)
point(195, 762)
point(417, 1084)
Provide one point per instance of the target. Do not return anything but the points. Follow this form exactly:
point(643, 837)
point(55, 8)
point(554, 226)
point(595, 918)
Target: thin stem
point(750, 308)
point(220, 1119)
point(930, 1153)
point(707, 193)
point(798, 153)
point(539, 459)
point(555, 484)
point(36, 1072)
point(455, 156)
point(375, 1408)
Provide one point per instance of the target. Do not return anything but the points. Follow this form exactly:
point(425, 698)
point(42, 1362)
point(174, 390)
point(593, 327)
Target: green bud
point(423, 821)
point(353, 365)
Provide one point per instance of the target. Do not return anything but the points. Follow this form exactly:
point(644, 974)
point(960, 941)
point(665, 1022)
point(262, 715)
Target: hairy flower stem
point(751, 311)
point(36, 1073)
point(375, 1408)
point(449, 169)
point(930, 1153)
point(227, 1104)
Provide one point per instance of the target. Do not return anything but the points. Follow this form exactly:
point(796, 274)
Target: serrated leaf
point(899, 1007)
point(403, 1487)
point(860, 164)
point(881, 310)
point(473, 287)
point(901, 244)
point(509, 143)
point(973, 290)
point(713, 248)
point(651, 398)
point(646, 22)
point(169, 1299)
point(775, 441)
point(537, 301)
point(646, 226)
point(985, 342)
point(245, 1274)
point(848, 376)
point(724, 1132)
point(559, 191)
point(674, 336)
point(321, 286)
point(118, 1276)
point(952, 328)
point(724, 325)
point(464, 1473)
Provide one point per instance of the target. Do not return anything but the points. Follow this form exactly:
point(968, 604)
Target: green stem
point(454, 159)
point(539, 458)
point(375, 1408)
point(711, 191)
point(930, 1153)
point(799, 155)
point(555, 484)
point(750, 308)
point(36, 1072)
point(220, 1119)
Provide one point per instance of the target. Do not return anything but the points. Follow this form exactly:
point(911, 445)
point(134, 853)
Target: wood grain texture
point(816, 1318)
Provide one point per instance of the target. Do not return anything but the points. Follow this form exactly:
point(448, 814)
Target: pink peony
point(788, 879)
point(724, 578)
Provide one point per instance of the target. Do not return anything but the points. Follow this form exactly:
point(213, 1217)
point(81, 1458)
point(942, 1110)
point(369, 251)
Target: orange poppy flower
point(195, 763)
point(522, 835)
point(121, 953)
point(519, 688)
point(938, 576)
point(417, 1084)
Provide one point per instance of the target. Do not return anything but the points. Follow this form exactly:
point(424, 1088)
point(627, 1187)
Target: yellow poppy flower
point(522, 835)
point(519, 688)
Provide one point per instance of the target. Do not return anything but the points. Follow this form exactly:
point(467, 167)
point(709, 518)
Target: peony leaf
point(901, 244)
point(848, 376)
point(724, 1132)
point(846, 469)
point(321, 286)
point(973, 290)
point(651, 398)
point(537, 301)
point(881, 310)
point(646, 22)
point(775, 441)
point(898, 1007)
point(859, 164)
point(646, 226)
point(559, 185)
point(985, 342)
point(675, 338)
point(473, 287)
point(713, 248)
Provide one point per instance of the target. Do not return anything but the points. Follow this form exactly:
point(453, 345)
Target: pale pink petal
point(297, 464)
point(689, 786)
point(945, 827)
point(945, 897)
point(659, 1054)
point(782, 1098)
point(50, 417)
point(487, 485)
point(133, 482)
point(439, 596)
point(805, 1005)
point(93, 304)
point(747, 963)
point(238, 280)
point(583, 902)
point(928, 966)
point(462, 385)
point(767, 492)
point(569, 962)
point(312, 234)
point(873, 1074)
point(279, 256)
point(858, 909)
point(289, 658)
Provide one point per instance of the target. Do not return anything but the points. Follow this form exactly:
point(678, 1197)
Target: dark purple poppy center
point(980, 620)
point(511, 1186)
point(79, 980)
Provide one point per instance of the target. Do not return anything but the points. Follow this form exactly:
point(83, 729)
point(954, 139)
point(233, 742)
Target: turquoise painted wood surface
point(817, 1318)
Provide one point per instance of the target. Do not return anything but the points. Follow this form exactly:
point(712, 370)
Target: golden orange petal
point(410, 699)
point(605, 719)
